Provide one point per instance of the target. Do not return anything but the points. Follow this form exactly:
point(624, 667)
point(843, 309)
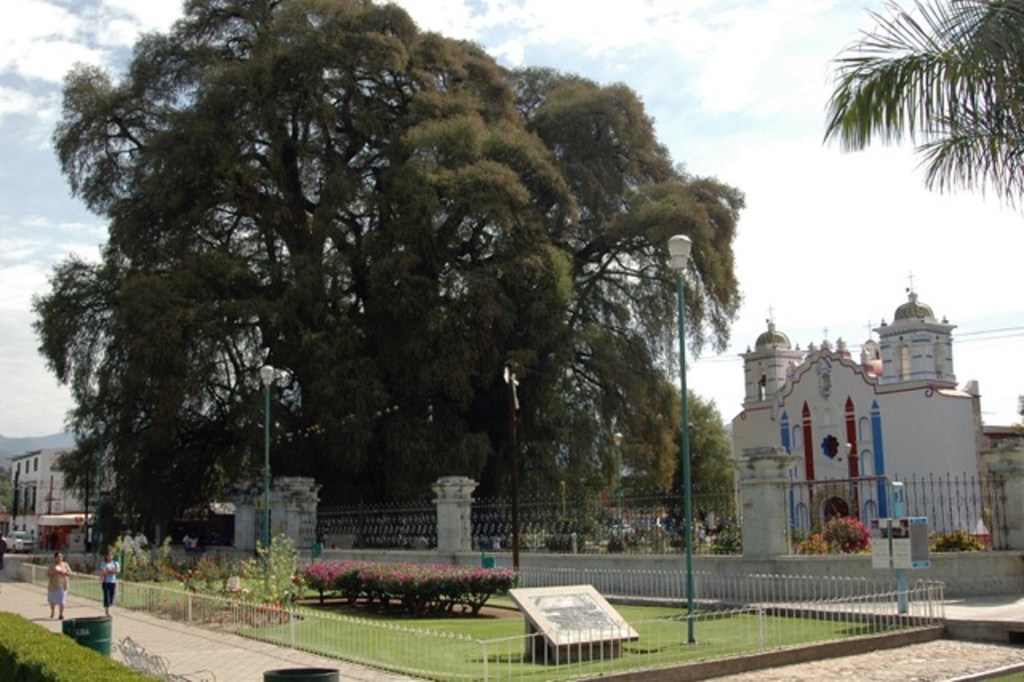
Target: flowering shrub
point(954, 541)
point(273, 576)
point(418, 588)
point(210, 571)
point(813, 544)
point(846, 534)
point(332, 576)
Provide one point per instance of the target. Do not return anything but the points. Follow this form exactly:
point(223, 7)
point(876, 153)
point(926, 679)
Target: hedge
point(31, 653)
point(420, 589)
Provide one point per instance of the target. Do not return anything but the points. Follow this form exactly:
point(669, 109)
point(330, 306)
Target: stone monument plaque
point(570, 623)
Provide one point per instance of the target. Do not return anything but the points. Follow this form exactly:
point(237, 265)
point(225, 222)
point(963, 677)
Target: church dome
point(773, 339)
point(913, 310)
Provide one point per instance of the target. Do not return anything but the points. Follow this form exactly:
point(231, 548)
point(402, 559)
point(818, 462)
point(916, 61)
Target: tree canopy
point(389, 218)
point(945, 75)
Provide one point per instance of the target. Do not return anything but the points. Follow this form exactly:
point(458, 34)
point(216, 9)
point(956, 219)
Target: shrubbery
point(729, 540)
point(420, 589)
point(841, 535)
point(813, 544)
point(847, 534)
point(956, 541)
point(31, 652)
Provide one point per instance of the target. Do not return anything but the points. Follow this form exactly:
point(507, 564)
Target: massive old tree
point(388, 217)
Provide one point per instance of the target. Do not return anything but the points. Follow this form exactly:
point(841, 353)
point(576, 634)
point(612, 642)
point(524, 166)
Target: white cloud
point(50, 59)
point(13, 101)
point(452, 18)
point(512, 52)
point(149, 15)
point(20, 281)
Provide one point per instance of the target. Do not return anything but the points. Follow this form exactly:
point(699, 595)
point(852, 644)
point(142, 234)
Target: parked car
point(20, 541)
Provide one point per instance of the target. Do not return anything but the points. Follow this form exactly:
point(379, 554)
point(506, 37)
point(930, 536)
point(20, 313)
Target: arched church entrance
point(834, 506)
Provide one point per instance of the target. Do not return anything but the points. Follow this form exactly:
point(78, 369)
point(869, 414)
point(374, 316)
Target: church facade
point(852, 425)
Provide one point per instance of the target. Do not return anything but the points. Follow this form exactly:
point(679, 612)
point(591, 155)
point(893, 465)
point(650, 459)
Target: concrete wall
point(965, 574)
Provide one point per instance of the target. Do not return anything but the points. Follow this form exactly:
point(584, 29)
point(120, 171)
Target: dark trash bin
point(488, 562)
point(93, 633)
point(303, 674)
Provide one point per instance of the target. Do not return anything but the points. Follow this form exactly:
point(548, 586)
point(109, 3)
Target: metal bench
point(148, 663)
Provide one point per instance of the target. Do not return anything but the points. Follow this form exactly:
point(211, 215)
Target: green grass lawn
point(457, 647)
point(463, 648)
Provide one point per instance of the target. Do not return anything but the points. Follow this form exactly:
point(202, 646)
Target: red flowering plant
point(418, 588)
point(331, 576)
point(847, 534)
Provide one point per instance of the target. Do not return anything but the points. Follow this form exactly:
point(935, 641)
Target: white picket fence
point(735, 616)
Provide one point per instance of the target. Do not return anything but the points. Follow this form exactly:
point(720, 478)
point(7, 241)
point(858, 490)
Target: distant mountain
point(12, 447)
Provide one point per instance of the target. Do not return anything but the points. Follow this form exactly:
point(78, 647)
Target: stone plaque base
point(572, 623)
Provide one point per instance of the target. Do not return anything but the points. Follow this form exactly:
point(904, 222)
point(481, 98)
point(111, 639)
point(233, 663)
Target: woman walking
point(57, 585)
point(108, 579)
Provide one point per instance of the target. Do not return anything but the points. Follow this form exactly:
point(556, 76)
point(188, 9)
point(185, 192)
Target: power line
point(1018, 332)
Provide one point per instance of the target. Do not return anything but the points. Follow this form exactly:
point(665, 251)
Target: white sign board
point(900, 543)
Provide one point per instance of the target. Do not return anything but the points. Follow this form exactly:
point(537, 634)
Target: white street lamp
point(267, 377)
point(617, 439)
point(97, 530)
point(679, 255)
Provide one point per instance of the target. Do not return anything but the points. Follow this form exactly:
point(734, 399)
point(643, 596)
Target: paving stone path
point(939, 660)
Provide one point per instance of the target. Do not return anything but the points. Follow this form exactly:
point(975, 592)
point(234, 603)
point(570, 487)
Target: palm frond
point(947, 77)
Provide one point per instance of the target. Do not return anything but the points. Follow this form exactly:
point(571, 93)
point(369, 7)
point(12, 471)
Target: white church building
point(852, 424)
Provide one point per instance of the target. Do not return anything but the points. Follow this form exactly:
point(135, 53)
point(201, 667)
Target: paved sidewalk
point(199, 654)
point(981, 651)
point(209, 656)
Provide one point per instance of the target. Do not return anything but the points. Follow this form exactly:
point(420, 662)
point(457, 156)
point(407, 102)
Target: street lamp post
point(267, 377)
point(513, 406)
point(97, 527)
point(617, 438)
point(89, 527)
point(679, 254)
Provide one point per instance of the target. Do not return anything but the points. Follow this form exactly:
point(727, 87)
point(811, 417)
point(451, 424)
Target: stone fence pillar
point(454, 501)
point(1005, 466)
point(293, 502)
point(763, 487)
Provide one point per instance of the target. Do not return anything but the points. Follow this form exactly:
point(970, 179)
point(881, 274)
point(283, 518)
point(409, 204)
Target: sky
point(827, 246)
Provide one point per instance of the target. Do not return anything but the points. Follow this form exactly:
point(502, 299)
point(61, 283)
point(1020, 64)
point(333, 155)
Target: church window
point(762, 388)
point(905, 364)
point(830, 446)
point(867, 466)
point(940, 358)
point(863, 429)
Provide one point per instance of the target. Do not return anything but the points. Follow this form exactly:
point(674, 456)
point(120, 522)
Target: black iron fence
point(963, 503)
point(382, 526)
point(643, 523)
point(653, 522)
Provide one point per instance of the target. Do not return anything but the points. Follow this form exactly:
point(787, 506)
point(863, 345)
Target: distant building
point(42, 505)
point(850, 424)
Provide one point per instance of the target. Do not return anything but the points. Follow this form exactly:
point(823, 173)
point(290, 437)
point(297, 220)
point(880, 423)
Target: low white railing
point(735, 617)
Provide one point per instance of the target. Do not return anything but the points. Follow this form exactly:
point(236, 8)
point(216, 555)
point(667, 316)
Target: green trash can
point(303, 674)
point(488, 562)
point(93, 633)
